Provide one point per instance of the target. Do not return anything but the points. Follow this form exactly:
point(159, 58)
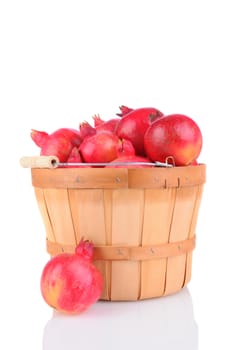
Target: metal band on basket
point(135, 253)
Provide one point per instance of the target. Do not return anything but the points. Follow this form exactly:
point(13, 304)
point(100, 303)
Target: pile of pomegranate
point(133, 135)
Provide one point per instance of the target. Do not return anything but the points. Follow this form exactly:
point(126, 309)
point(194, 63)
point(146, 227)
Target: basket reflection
point(161, 323)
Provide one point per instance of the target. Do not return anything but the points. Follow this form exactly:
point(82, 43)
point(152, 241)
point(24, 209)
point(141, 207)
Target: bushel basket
point(142, 222)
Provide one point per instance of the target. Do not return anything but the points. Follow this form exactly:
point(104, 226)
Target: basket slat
point(58, 206)
point(199, 193)
point(126, 230)
point(180, 228)
point(107, 199)
point(157, 218)
point(39, 194)
point(90, 204)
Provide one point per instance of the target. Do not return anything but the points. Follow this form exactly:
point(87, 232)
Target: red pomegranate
point(103, 148)
point(177, 136)
point(134, 125)
point(70, 282)
point(127, 162)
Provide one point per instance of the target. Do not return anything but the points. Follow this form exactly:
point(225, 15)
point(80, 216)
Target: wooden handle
point(39, 162)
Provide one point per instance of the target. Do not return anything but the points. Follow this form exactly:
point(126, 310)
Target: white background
point(60, 63)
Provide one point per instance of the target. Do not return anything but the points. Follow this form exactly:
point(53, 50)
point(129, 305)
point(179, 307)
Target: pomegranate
point(125, 147)
point(71, 134)
point(74, 157)
point(71, 283)
point(129, 159)
point(108, 125)
point(177, 136)
point(58, 146)
point(39, 137)
point(59, 143)
point(102, 148)
point(194, 162)
point(134, 125)
point(86, 130)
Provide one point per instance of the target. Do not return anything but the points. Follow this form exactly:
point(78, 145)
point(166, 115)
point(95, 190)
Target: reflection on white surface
point(164, 323)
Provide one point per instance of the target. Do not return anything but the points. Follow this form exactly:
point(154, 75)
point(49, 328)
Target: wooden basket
point(141, 220)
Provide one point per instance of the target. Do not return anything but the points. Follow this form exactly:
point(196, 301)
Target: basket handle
point(39, 162)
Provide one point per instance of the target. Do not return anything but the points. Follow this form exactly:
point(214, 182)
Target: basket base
point(145, 298)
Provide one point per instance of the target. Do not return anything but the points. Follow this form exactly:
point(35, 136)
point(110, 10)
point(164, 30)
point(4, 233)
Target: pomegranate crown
point(124, 110)
point(85, 249)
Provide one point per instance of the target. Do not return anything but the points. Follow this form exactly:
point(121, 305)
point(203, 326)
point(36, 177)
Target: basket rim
point(120, 178)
